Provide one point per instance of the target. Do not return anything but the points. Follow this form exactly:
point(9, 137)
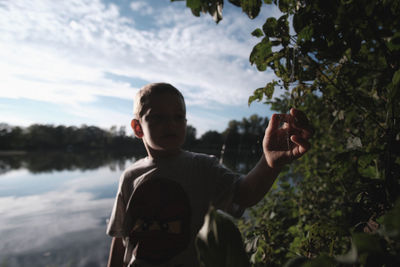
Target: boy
point(162, 199)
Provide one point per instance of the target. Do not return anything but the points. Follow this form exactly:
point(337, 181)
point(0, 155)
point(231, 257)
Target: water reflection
point(54, 206)
point(48, 161)
point(54, 214)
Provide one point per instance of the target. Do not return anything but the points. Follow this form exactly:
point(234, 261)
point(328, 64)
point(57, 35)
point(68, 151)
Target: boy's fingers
point(307, 132)
point(275, 121)
point(301, 121)
point(302, 145)
point(299, 115)
point(286, 121)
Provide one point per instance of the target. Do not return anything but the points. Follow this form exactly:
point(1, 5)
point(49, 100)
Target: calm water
point(54, 208)
point(51, 216)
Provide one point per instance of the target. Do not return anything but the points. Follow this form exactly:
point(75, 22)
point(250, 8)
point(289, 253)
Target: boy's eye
point(159, 118)
point(180, 118)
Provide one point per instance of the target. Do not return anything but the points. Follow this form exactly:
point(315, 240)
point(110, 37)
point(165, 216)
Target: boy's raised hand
point(286, 138)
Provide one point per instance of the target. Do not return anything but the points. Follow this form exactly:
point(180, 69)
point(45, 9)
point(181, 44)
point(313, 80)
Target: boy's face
point(163, 125)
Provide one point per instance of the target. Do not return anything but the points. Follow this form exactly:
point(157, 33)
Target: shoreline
point(12, 152)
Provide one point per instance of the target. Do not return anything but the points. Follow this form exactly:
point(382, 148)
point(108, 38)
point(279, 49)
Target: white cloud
point(141, 6)
point(213, 121)
point(59, 51)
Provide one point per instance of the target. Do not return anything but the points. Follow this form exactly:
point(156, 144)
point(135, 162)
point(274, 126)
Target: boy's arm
point(256, 184)
point(117, 251)
point(281, 145)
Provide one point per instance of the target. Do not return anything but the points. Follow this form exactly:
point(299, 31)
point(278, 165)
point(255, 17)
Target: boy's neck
point(160, 154)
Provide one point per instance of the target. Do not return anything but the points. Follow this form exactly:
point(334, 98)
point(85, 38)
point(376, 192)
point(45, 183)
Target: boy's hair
point(143, 96)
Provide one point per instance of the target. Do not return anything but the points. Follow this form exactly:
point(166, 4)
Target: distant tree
point(41, 136)
point(211, 140)
point(245, 135)
point(113, 130)
point(7, 136)
point(252, 129)
point(122, 131)
point(232, 137)
point(190, 139)
point(49, 137)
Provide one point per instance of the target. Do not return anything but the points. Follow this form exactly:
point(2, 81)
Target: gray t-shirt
point(160, 207)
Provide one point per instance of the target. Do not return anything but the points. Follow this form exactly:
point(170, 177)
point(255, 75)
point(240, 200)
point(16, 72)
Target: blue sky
point(80, 62)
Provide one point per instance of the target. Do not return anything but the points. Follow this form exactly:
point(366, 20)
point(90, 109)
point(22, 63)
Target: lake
point(54, 207)
point(52, 215)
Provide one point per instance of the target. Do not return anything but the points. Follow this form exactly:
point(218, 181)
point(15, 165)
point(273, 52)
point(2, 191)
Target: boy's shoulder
point(200, 157)
point(132, 175)
point(136, 169)
point(186, 158)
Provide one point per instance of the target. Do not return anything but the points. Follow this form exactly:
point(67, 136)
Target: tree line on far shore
point(243, 135)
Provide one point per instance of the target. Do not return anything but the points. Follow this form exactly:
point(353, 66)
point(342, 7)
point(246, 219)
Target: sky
point(81, 62)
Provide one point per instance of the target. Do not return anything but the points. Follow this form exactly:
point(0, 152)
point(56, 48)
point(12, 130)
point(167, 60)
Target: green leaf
point(296, 262)
point(219, 242)
point(391, 221)
point(251, 7)
point(235, 2)
point(257, 32)
point(393, 43)
point(261, 54)
point(269, 27)
point(283, 5)
point(269, 89)
point(367, 243)
point(298, 22)
point(350, 258)
point(320, 261)
point(283, 26)
point(257, 95)
point(306, 33)
point(396, 78)
point(193, 4)
point(266, 91)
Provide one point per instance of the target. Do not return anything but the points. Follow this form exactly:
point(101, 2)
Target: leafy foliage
point(213, 7)
point(219, 243)
point(338, 62)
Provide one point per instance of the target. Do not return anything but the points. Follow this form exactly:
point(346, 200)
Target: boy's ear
point(137, 128)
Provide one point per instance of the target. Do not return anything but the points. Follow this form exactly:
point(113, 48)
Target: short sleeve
point(117, 218)
point(224, 184)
